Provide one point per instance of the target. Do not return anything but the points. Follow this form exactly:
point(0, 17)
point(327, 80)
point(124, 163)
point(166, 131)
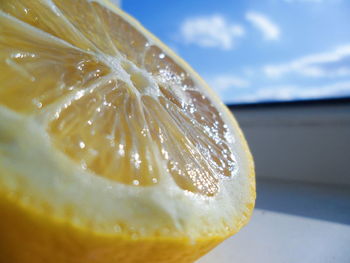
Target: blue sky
point(257, 50)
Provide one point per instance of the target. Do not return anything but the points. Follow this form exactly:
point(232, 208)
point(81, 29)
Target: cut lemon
point(112, 149)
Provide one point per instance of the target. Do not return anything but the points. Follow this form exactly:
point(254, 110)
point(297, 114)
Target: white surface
point(282, 238)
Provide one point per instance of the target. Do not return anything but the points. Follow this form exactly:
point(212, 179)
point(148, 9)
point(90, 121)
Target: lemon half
point(112, 149)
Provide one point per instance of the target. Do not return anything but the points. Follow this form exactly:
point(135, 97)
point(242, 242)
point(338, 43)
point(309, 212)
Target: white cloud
point(314, 65)
point(304, 1)
point(270, 30)
point(210, 31)
point(117, 2)
point(224, 82)
point(293, 92)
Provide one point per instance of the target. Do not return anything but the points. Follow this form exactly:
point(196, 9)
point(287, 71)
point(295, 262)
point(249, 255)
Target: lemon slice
point(112, 149)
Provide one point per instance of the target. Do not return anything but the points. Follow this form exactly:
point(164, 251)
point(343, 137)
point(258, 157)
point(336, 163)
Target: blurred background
point(283, 68)
point(257, 51)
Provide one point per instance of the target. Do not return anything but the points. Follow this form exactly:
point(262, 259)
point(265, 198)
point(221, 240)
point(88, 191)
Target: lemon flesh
point(111, 148)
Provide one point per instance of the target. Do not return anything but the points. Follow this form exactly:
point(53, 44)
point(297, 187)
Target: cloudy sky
point(257, 50)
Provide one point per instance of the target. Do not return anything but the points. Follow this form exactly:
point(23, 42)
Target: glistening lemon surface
point(112, 149)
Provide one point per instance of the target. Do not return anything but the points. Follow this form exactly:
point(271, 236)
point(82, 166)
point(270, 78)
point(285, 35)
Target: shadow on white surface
point(293, 223)
point(281, 238)
point(318, 201)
